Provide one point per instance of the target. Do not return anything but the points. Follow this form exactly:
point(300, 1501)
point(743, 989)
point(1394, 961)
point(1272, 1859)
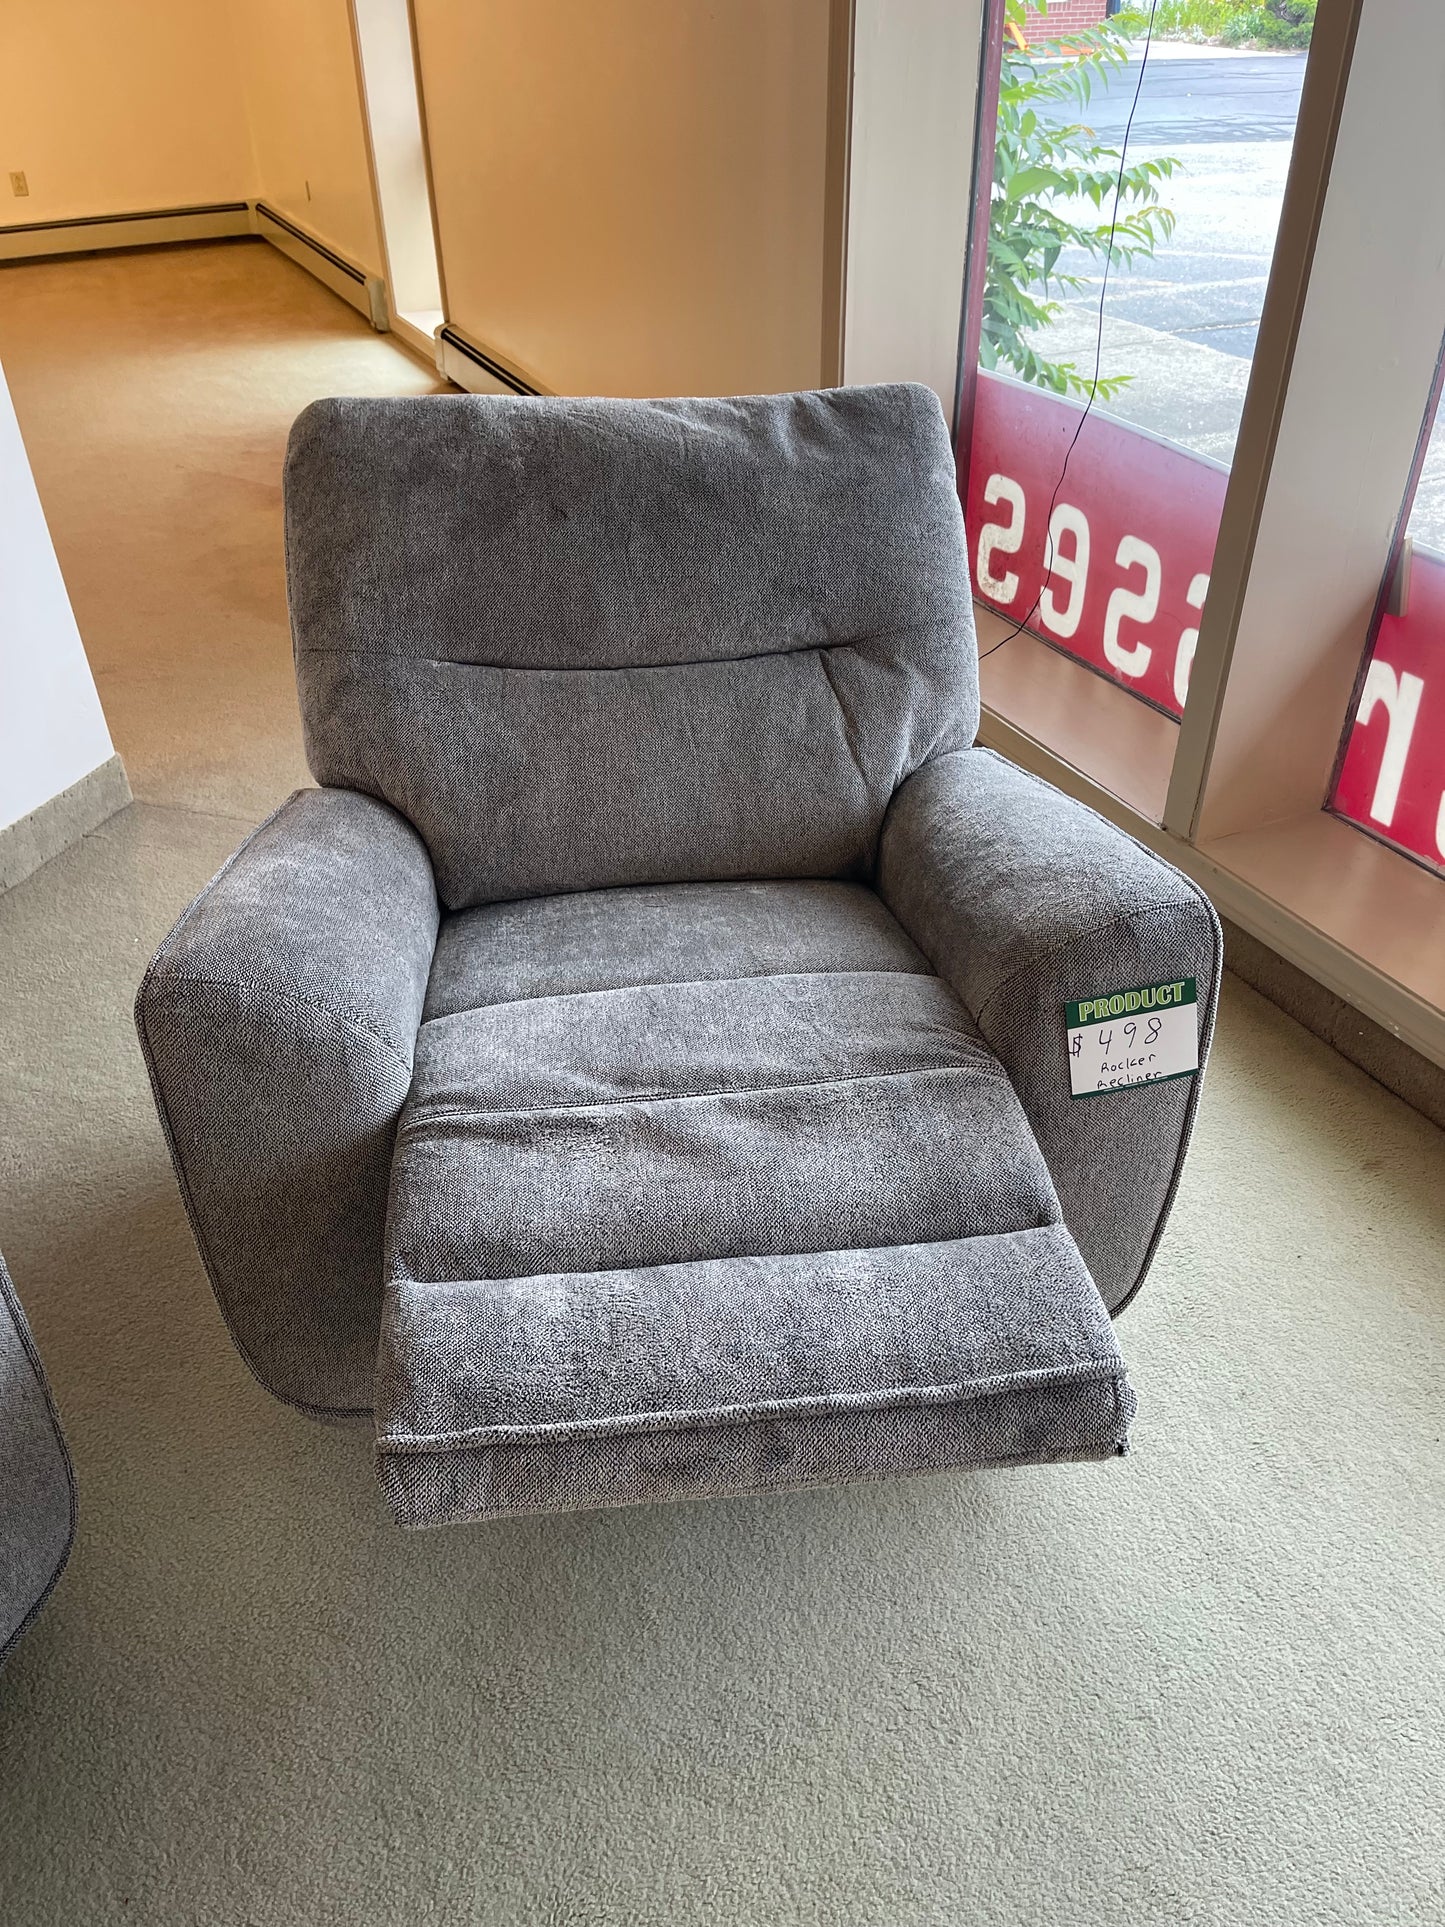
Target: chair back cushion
point(590, 643)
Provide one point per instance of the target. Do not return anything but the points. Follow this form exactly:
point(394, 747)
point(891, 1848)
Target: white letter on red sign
point(1142, 605)
point(1402, 705)
point(1002, 537)
point(1184, 654)
point(1073, 569)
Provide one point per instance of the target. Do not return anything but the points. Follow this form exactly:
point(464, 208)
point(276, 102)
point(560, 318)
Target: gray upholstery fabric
point(675, 933)
point(581, 644)
point(37, 1488)
point(1024, 899)
point(278, 1021)
point(752, 1374)
point(772, 1115)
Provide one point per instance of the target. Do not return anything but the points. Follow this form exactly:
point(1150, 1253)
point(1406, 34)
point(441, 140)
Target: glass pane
point(1134, 519)
point(1392, 774)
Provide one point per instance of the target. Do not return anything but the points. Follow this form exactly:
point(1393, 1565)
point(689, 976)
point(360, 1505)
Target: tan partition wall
point(303, 103)
point(109, 110)
point(632, 196)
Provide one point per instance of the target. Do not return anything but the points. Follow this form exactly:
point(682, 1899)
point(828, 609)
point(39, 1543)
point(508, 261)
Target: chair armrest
point(1024, 899)
point(278, 1021)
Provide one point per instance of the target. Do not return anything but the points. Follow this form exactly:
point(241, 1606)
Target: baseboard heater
point(365, 292)
point(472, 368)
point(147, 227)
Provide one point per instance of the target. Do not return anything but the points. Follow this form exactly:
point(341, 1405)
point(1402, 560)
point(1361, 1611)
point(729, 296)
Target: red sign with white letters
point(1134, 525)
point(1392, 780)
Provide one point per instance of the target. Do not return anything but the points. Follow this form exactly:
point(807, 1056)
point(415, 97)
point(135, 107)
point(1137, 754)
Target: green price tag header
point(1126, 1003)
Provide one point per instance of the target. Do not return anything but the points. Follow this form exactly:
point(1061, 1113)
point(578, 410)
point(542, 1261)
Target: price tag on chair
point(1121, 1038)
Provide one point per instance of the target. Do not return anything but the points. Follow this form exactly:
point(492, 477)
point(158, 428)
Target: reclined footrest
point(557, 1393)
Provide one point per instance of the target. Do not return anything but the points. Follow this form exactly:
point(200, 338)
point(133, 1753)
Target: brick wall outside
point(1064, 16)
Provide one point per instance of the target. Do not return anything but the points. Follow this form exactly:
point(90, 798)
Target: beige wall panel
point(304, 105)
point(916, 65)
point(631, 195)
point(118, 106)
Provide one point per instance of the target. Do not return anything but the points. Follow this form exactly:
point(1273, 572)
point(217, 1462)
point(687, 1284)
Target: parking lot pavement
point(1195, 94)
point(1183, 325)
point(1427, 519)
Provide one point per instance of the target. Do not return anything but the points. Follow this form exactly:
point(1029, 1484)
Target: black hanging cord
point(1019, 628)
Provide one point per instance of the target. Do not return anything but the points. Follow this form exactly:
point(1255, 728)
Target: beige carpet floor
point(1202, 1685)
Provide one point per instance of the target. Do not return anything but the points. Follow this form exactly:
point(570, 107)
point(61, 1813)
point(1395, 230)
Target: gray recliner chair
point(642, 1068)
point(37, 1487)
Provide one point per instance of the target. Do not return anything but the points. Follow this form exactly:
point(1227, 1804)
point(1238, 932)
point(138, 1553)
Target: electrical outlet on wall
point(18, 183)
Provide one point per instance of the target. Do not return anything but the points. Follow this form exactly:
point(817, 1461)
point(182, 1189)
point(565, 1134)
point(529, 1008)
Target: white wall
point(119, 107)
point(52, 731)
point(383, 32)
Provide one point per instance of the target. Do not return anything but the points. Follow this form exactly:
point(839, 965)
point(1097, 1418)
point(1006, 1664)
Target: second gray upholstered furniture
point(37, 1488)
point(639, 1071)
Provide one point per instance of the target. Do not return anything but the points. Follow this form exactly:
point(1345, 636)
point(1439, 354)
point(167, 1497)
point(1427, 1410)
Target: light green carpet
point(1202, 1685)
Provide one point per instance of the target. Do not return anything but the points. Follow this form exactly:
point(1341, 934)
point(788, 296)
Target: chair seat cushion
point(650, 1206)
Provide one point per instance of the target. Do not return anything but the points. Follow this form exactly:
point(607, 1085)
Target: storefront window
point(1116, 316)
point(1391, 778)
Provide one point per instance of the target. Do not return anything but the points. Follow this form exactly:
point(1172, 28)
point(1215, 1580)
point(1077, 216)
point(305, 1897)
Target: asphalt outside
point(1183, 325)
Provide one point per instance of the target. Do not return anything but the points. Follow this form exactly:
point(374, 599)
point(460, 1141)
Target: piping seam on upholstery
point(1091, 1370)
point(1043, 957)
point(613, 668)
point(257, 987)
point(421, 1119)
point(1191, 1109)
point(394, 1286)
point(27, 1345)
point(696, 983)
point(673, 983)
